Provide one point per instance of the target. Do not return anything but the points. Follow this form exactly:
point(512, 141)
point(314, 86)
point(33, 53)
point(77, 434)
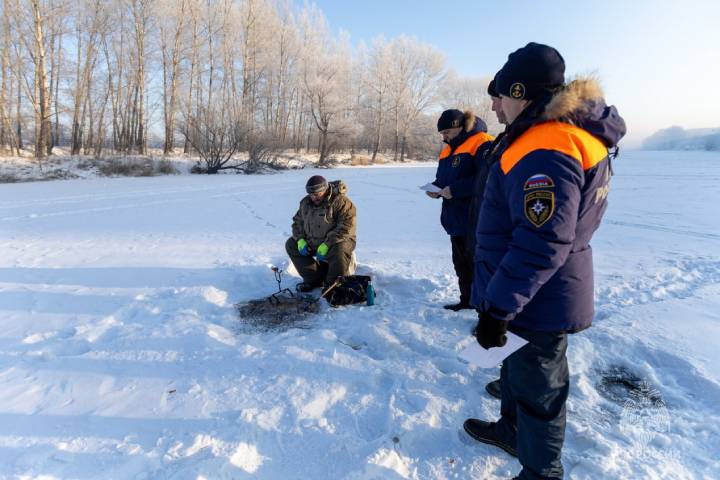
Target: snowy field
point(121, 356)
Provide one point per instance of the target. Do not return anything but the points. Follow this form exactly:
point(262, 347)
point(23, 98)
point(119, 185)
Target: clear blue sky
point(658, 61)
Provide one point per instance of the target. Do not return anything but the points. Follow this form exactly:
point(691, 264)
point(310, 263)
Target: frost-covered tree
point(117, 75)
point(469, 93)
point(325, 70)
point(415, 77)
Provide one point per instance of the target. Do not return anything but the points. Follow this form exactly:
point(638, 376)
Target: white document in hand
point(477, 355)
point(429, 187)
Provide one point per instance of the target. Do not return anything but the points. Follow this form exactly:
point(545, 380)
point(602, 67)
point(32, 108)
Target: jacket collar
point(579, 103)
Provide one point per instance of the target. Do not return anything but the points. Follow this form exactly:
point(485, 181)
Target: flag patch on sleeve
point(539, 181)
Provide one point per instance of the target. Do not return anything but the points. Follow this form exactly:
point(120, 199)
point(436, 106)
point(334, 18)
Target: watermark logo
point(644, 417)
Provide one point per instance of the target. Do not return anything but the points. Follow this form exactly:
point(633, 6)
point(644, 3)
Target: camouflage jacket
point(332, 221)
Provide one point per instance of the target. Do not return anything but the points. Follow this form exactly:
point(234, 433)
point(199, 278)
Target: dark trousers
point(535, 384)
point(462, 259)
point(336, 262)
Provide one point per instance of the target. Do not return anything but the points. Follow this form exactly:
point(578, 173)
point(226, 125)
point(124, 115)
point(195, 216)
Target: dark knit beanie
point(450, 119)
point(316, 184)
point(492, 89)
point(530, 71)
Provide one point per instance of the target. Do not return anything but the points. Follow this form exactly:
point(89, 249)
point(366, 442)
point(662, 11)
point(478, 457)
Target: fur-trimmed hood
point(581, 102)
point(473, 124)
point(574, 99)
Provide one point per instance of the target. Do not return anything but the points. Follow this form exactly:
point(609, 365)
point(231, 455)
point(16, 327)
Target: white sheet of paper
point(429, 187)
point(477, 355)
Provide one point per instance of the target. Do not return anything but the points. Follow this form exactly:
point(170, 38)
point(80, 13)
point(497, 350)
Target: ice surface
point(121, 355)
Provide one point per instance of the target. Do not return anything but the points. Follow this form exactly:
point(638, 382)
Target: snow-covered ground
point(121, 355)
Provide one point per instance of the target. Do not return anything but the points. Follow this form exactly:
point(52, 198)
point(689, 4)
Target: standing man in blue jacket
point(544, 199)
point(466, 140)
point(492, 155)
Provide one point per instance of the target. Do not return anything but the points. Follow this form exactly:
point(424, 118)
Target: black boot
point(485, 432)
point(456, 307)
point(306, 286)
point(493, 388)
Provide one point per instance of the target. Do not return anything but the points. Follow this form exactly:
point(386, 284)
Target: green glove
point(302, 246)
point(322, 251)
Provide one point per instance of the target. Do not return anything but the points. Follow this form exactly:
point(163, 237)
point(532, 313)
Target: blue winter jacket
point(457, 166)
point(544, 200)
point(492, 155)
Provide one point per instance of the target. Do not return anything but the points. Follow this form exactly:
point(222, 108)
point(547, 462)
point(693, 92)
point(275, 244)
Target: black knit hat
point(316, 184)
point(450, 119)
point(492, 89)
point(530, 71)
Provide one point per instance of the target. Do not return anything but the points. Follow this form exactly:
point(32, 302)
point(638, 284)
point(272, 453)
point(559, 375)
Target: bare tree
point(323, 82)
point(276, 69)
point(216, 136)
point(30, 19)
point(193, 58)
point(58, 32)
point(416, 74)
point(171, 21)
point(469, 94)
point(141, 16)
point(281, 65)
point(376, 83)
point(42, 110)
point(250, 26)
point(7, 135)
point(91, 19)
point(15, 43)
point(262, 151)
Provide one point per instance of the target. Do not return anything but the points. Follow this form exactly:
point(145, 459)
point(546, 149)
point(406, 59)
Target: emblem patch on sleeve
point(539, 181)
point(539, 206)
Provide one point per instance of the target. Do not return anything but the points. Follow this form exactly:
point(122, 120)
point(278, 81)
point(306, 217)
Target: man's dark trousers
point(463, 262)
point(535, 383)
point(336, 262)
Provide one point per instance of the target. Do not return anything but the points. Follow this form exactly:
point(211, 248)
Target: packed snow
point(122, 356)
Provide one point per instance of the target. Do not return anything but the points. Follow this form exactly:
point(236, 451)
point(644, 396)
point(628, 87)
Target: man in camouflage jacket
point(323, 233)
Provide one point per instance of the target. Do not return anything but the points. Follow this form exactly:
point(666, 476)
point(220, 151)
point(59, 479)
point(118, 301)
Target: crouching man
point(323, 234)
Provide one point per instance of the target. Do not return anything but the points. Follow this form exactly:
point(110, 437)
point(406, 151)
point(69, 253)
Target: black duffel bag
point(351, 289)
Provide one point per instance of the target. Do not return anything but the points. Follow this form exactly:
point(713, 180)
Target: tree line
point(100, 76)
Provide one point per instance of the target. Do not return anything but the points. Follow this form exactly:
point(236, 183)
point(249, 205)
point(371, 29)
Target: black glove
point(490, 332)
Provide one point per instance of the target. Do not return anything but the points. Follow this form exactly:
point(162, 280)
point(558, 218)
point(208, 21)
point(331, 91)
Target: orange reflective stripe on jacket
point(468, 146)
point(557, 136)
